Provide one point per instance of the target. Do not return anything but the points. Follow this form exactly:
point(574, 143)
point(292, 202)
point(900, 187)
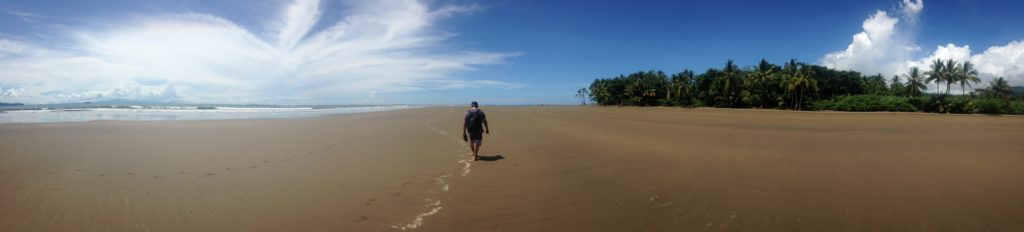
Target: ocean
point(81, 112)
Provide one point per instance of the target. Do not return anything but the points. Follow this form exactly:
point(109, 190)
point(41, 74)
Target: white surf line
point(466, 163)
point(435, 206)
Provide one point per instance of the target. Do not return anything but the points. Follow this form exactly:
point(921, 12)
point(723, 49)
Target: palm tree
point(915, 82)
point(730, 81)
point(789, 72)
point(761, 77)
point(582, 94)
point(598, 90)
point(799, 83)
point(681, 81)
point(1000, 89)
point(950, 72)
point(936, 74)
point(896, 86)
point(965, 75)
point(805, 78)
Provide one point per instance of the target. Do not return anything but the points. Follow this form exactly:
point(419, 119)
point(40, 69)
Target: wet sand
point(564, 169)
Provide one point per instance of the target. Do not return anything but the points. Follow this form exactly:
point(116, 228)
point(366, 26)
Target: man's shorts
point(476, 138)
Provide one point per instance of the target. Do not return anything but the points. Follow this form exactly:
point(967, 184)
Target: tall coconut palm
point(761, 77)
point(896, 86)
point(1000, 89)
point(582, 94)
point(730, 81)
point(800, 83)
point(965, 75)
point(915, 82)
point(789, 72)
point(600, 91)
point(936, 75)
point(682, 83)
point(950, 72)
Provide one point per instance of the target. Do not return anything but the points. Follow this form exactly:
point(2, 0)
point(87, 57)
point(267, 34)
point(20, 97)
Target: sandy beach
point(564, 168)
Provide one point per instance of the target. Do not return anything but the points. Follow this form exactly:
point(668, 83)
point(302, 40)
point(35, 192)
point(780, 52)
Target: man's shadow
point(491, 158)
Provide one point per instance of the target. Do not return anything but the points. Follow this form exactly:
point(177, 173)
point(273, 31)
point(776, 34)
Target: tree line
point(801, 86)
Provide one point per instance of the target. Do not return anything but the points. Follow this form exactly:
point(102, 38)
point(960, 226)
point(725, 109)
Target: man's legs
point(475, 146)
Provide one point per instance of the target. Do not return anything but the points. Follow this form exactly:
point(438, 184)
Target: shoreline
point(406, 107)
point(178, 113)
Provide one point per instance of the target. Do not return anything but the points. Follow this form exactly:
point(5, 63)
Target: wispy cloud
point(378, 47)
point(24, 16)
point(911, 9)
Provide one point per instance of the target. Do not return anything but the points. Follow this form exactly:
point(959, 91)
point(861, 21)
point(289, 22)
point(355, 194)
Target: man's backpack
point(476, 121)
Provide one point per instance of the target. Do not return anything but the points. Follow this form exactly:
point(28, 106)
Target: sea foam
point(162, 113)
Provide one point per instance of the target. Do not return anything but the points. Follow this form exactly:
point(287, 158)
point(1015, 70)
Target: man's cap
point(474, 104)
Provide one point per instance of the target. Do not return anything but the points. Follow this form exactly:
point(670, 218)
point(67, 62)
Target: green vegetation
point(865, 103)
point(800, 86)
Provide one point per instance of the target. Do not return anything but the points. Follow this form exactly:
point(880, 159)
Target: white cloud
point(886, 47)
point(298, 19)
point(1002, 61)
point(911, 8)
point(880, 48)
point(12, 93)
point(24, 16)
point(997, 61)
point(949, 51)
point(377, 47)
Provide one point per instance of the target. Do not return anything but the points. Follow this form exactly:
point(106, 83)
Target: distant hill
point(1018, 90)
point(10, 104)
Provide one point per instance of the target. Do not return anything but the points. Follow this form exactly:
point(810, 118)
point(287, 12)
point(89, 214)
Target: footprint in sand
point(229, 169)
point(129, 174)
point(254, 166)
point(371, 201)
point(265, 161)
point(285, 160)
point(182, 173)
point(78, 170)
point(156, 177)
point(362, 218)
point(397, 194)
point(102, 175)
point(210, 174)
point(406, 184)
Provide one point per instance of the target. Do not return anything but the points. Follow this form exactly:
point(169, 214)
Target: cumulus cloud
point(1002, 61)
point(377, 47)
point(1005, 61)
point(880, 48)
point(886, 47)
point(11, 93)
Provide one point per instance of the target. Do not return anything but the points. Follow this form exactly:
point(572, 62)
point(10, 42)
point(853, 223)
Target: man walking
point(475, 125)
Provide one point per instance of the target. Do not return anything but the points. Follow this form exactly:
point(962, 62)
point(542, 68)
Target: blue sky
point(449, 52)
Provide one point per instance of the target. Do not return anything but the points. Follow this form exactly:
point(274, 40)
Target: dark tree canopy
point(797, 85)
